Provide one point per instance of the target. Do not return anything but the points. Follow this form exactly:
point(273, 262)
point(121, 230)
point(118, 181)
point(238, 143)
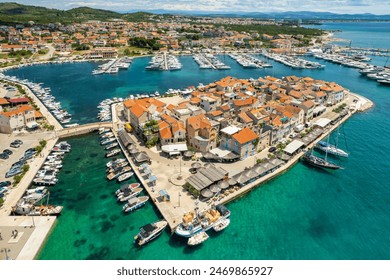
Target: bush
point(17, 179)
point(43, 143)
point(1, 201)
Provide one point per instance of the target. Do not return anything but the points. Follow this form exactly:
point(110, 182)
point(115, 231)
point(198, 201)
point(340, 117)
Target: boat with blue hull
point(194, 222)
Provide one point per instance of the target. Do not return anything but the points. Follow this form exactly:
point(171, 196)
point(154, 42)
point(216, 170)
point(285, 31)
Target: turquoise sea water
point(303, 214)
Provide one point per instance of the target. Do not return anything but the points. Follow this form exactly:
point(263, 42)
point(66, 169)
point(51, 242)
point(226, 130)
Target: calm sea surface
point(361, 34)
point(303, 214)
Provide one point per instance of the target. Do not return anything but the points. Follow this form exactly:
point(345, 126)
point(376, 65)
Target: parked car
point(15, 145)
point(8, 152)
point(5, 184)
point(12, 172)
point(4, 156)
point(272, 149)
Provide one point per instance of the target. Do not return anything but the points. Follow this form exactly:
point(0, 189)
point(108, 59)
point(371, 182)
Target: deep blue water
point(362, 34)
point(303, 214)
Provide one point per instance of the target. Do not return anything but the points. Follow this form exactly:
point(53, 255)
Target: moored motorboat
point(194, 222)
point(125, 176)
point(126, 195)
point(118, 172)
point(135, 203)
point(113, 153)
point(114, 162)
point(127, 187)
point(149, 232)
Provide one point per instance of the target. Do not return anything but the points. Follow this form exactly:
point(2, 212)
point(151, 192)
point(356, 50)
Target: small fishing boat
point(221, 225)
point(198, 238)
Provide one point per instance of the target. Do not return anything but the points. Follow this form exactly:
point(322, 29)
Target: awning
point(322, 122)
point(32, 125)
point(174, 148)
point(293, 147)
point(174, 153)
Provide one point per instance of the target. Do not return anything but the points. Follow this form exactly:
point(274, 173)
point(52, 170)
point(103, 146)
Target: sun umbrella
point(223, 185)
point(196, 165)
point(215, 189)
point(206, 193)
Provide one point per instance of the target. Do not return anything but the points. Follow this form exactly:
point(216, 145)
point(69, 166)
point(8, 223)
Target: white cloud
point(336, 6)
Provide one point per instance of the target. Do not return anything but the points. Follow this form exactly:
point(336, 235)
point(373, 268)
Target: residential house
point(17, 119)
point(201, 135)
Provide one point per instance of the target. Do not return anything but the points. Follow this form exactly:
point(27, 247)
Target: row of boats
point(45, 177)
point(374, 72)
point(113, 66)
point(209, 61)
point(248, 61)
point(128, 193)
point(378, 73)
point(294, 62)
point(107, 139)
point(164, 61)
point(193, 226)
point(45, 96)
point(105, 108)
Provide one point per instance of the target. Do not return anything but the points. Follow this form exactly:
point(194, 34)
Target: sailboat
point(311, 159)
point(326, 147)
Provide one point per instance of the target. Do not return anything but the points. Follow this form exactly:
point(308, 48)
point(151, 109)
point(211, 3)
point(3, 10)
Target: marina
point(248, 61)
point(236, 208)
point(294, 62)
point(209, 61)
point(113, 66)
point(165, 62)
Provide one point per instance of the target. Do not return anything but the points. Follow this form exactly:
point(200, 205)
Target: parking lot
point(30, 140)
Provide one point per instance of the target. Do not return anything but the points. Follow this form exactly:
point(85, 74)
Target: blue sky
point(335, 6)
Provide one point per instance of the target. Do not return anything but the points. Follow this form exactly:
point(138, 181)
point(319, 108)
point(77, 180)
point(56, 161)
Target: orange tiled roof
point(166, 133)
point(3, 101)
point(216, 113)
point(137, 110)
point(308, 104)
point(20, 109)
point(245, 135)
point(245, 117)
point(178, 126)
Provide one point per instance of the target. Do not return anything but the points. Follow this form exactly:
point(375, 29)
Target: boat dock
point(294, 62)
point(248, 61)
point(209, 61)
point(164, 62)
point(113, 66)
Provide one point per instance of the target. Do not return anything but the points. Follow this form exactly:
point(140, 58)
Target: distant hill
point(280, 15)
point(14, 13)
